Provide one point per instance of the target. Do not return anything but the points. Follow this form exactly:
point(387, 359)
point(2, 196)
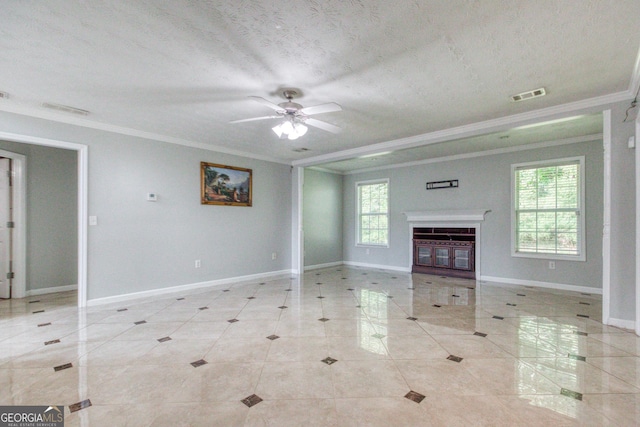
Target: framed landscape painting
point(224, 185)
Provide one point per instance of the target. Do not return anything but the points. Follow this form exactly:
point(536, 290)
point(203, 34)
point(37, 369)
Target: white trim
point(621, 323)
point(538, 284)
point(637, 137)
point(83, 200)
point(187, 287)
point(475, 154)
point(52, 290)
point(472, 129)
point(378, 266)
point(447, 215)
point(582, 256)
point(62, 118)
point(297, 224)
point(326, 265)
point(606, 218)
point(19, 203)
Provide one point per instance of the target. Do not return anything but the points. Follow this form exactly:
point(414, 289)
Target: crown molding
point(76, 121)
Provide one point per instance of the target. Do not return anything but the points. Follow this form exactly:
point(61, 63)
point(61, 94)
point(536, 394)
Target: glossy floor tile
point(339, 346)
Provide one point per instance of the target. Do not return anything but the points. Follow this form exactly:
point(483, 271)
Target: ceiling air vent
point(4, 95)
point(65, 108)
point(528, 95)
point(300, 150)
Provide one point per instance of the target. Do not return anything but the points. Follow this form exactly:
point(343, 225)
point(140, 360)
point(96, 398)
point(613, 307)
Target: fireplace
point(446, 243)
point(444, 251)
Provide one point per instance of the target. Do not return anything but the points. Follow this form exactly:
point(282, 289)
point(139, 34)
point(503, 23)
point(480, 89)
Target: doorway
point(6, 224)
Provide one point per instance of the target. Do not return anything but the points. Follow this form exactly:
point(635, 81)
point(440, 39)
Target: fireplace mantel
point(448, 216)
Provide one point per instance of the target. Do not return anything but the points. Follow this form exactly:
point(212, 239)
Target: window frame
point(359, 242)
point(581, 256)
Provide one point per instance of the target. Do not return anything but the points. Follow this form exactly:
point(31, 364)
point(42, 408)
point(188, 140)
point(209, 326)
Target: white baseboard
point(620, 323)
point(52, 290)
point(378, 266)
point(188, 287)
point(326, 265)
point(538, 284)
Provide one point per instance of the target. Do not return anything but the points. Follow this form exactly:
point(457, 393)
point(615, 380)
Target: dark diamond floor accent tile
point(498, 317)
point(141, 322)
point(317, 274)
point(52, 342)
point(198, 363)
point(323, 319)
point(350, 289)
point(429, 283)
point(179, 299)
point(456, 296)
point(252, 400)
point(203, 308)
point(454, 358)
point(521, 295)
point(320, 297)
point(414, 396)
point(570, 393)
point(39, 311)
point(329, 360)
point(44, 324)
point(364, 274)
point(251, 297)
point(273, 337)
point(226, 290)
point(164, 339)
point(344, 278)
point(480, 334)
point(443, 277)
point(288, 290)
point(469, 287)
point(63, 367)
point(393, 277)
point(583, 293)
point(412, 318)
point(319, 283)
point(283, 307)
point(34, 301)
point(358, 306)
point(584, 334)
point(412, 289)
point(577, 357)
point(379, 336)
point(584, 303)
point(80, 405)
point(122, 309)
point(389, 296)
point(374, 283)
point(262, 284)
point(511, 305)
point(583, 315)
point(233, 320)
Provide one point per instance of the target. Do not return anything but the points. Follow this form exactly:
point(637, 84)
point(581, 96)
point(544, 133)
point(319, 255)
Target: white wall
point(322, 223)
point(51, 203)
point(485, 183)
point(139, 245)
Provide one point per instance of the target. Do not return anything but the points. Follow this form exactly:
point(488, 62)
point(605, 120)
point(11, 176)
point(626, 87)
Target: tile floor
point(338, 347)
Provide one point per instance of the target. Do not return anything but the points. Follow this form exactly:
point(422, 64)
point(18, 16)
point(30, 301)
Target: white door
point(5, 232)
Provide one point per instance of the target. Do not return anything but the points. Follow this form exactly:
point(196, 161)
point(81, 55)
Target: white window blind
point(548, 208)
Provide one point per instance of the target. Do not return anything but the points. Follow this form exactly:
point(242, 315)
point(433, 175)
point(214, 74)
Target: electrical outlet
point(552, 265)
point(274, 255)
point(198, 263)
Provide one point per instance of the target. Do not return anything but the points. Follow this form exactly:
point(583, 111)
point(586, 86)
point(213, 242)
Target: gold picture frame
point(225, 185)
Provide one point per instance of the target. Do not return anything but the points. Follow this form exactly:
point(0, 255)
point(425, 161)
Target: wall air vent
point(4, 95)
point(528, 95)
point(65, 109)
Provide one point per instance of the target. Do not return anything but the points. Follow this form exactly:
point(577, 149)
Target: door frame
point(20, 191)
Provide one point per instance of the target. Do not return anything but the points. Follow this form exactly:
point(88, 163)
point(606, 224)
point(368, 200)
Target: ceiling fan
point(295, 116)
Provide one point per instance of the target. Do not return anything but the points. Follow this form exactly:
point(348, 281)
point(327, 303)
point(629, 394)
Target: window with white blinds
point(548, 220)
point(373, 213)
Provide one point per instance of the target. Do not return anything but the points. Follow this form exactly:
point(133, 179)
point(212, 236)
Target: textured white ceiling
point(184, 68)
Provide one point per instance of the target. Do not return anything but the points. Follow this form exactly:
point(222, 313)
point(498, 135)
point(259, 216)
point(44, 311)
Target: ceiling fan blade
point(255, 118)
point(267, 103)
point(322, 108)
point(323, 125)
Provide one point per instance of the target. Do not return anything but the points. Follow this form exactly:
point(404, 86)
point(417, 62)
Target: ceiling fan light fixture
point(277, 130)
